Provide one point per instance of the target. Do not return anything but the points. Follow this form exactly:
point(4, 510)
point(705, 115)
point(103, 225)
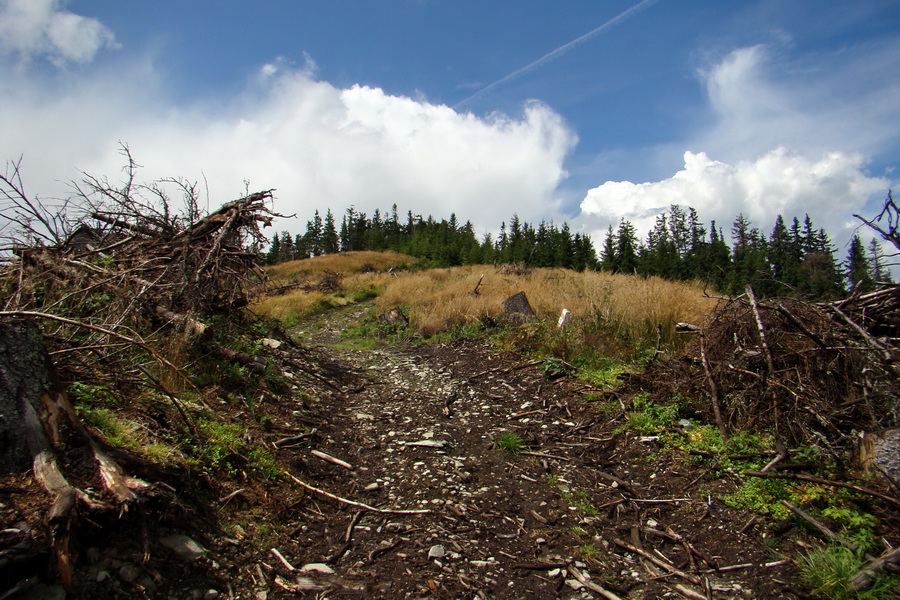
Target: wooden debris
point(331, 459)
point(866, 576)
point(352, 503)
point(574, 572)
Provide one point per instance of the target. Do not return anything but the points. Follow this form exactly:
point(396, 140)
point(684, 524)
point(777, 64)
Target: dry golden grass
point(626, 305)
point(440, 299)
point(345, 263)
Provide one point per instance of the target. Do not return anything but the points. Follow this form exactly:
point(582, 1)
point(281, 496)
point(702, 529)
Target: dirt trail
point(416, 425)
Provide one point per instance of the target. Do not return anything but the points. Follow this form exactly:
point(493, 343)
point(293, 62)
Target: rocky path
point(565, 518)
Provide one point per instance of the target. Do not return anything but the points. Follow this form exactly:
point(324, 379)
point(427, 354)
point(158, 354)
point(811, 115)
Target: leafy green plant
point(649, 418)
point(508, 441)
point(554, 368)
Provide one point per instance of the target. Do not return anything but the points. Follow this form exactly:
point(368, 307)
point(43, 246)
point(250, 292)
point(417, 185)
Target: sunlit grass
point(604, 307)
point(345, 263)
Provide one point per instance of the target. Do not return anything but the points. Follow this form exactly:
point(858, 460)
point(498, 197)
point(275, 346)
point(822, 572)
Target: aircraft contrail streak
point(553, 55)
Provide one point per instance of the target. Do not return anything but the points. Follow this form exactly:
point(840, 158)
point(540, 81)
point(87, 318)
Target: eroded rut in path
point(416, 425)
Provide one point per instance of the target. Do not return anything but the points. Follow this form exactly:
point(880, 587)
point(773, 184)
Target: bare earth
point(414, 425)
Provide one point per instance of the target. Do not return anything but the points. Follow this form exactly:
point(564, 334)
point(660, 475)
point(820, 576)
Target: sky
point(583, 111)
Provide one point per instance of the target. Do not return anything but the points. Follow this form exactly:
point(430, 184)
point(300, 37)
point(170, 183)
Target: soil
point(415, 426)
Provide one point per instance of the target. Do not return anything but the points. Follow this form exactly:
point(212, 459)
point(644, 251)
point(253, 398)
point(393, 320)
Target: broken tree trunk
point(38, 424)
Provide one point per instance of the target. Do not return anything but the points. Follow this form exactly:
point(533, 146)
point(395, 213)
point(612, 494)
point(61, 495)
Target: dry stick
point(331, 459)
point(357, 504)
point(714, 390)
point(690, 593)
point(542, 455)
point(658, 561)
point(283, 560)
point(590, 584)
point(475, 291)
point(872, 342)
point(766, 380)
point(799, 325)
point(675, 537)
point(811, 479)
point(506, 370)
point(768, 565)
point(821, 527)
point(348, 535)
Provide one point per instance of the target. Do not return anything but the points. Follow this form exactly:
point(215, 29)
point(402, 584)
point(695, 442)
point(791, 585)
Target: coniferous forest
point(794, 259)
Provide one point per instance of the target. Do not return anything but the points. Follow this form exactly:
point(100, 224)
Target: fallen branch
point(714, 390)
point(357, 504)
point(761, 328)
point(865, 577)
point(821, 527)
point(659, 562)
point(331, 459)
point(590, 584)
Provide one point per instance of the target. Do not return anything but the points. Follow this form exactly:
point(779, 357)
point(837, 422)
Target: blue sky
point(584, 111)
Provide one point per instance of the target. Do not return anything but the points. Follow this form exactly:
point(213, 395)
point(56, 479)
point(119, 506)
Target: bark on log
point(254, 363)
point(25, 373)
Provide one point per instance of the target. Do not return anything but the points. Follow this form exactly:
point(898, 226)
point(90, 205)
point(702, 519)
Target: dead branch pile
point(809, 371)
point(120, 261)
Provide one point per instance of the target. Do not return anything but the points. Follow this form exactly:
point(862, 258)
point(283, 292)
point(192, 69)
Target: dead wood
point(254, 363)
point(866, 576)
point(820, 526)
point(34, 402)
point(353, 503)
point(593, 586)
point(713, 388)
point(658, 561)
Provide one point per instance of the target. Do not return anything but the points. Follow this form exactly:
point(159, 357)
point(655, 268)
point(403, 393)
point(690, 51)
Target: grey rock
point(186, 548)
point(436, 551)
point(129, 573)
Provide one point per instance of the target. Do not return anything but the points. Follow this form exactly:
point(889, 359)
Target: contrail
point(553, 55)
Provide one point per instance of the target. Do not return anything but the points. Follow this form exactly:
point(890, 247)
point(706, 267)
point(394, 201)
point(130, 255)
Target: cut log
point(254, 363)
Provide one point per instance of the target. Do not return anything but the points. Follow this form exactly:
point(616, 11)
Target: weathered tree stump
point(39, 424)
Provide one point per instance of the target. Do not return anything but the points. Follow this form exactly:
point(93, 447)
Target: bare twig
point(356, 504)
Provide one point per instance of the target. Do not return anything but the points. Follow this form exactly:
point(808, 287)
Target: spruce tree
point(626, 248)
point(608, 253)
point(857, 267)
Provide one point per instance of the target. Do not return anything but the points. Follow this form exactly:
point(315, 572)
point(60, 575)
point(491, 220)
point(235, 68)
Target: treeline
point(444, 243)
point(796, 259)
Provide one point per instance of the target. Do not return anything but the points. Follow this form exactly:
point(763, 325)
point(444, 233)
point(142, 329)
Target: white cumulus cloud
point(320, 146)
point(31, 28)
point(829, 188)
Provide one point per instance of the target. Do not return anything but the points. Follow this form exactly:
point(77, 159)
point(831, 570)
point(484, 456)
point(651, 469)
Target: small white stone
point(317, 568)
point(436, 551)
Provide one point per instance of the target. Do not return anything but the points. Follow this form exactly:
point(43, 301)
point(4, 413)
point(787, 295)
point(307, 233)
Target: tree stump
point(25, 374)
point(38, 425)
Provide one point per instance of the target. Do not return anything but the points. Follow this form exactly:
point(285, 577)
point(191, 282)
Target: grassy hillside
point(618, 308)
